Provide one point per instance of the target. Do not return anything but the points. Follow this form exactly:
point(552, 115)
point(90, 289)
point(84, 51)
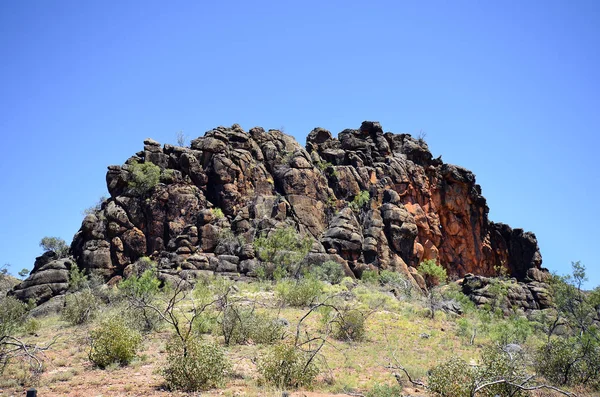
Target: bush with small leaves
point(433, 273)
point(80, 307)
point(298, 293)
point(570, 361)
point(32, 326)
point(113, 342)
point(350, 325)
point(281, 252)
point(285, 365)
point(241, 324)
point(396, 280)
point(384, 390)
point(77, 279)
point(453, 378)
point(360, 200)
point(197, 365)
point(329, 271)
point(370, 276)
point(12, 315)
point(143, 177)
point(140, 291)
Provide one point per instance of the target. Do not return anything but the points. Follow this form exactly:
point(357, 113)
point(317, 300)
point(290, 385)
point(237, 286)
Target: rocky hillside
point(370, 200)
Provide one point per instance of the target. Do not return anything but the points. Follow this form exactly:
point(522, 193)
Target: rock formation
point(369, 199)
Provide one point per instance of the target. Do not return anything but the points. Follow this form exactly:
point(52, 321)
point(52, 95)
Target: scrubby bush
point(452, 378)
point(360, 200)
point(456, 378)
point(433, 273)
point(328, 271)
point(140, 292)
point(55, 244)
point(32, 326)
point(298, 293)
point(143, 177)
point(384, 390)
point(370, 276)
point(511, 330)
point(570, 361)
point(113, 342)
point(197, 365)
point(217, 213)
point(350, 325)
point(12, 315)
point(241, 324)
point(281, 252)
point(80, 307)
point(77, 279)
point(285, 365)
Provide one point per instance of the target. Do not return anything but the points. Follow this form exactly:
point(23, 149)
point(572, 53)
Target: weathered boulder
point(49, 278)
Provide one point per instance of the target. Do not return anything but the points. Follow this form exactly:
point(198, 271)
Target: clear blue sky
point(507, 89)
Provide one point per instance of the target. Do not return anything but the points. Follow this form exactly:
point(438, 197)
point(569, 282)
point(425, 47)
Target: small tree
point(434, 275)
point(24, 273)
point(55, 244)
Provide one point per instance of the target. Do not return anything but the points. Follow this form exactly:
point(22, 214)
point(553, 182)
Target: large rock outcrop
point(369, 199)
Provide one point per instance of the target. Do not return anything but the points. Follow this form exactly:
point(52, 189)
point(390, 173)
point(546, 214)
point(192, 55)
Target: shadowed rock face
point(418, 207)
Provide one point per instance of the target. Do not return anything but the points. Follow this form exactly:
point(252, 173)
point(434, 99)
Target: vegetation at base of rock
point(433, 273)
point(80, 307)
point(199, 365)
point(143, 177)
point(113, 342)
point(139, 292)
point(242, 324)
point(56, 245)
point(281, 252)
point(300, 292)
point(285, 365)
point(328, 271)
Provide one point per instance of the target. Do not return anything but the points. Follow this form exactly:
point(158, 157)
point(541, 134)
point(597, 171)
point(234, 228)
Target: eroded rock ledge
point(418, 208)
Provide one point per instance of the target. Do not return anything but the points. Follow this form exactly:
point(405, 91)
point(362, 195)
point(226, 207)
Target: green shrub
point(350, 325)
point(55, 244)
point(298, 293)
point(570, 361)
point(370, 276)
point(453, 378)
point(397, 280)
point(32, 326)
point(329, 271)
point(512, 330)
point(433, 273)
point(143, 177)
point(281, 252)
point(12, 315)
point(80, 307)
point(242, 324)
point(360, 200)
point(140, 291)
point(113, 343)
point(384, 390)
point(217, 213)
point(285, 365)
point(195, 366)
point(77, 279)
point(499, 364)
